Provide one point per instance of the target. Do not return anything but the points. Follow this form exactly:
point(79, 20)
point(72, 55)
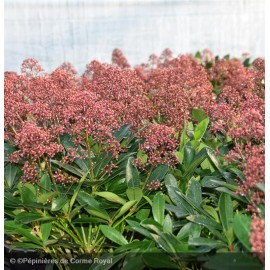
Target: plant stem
point(148, 175)
point(89, 155)
point(51, 175)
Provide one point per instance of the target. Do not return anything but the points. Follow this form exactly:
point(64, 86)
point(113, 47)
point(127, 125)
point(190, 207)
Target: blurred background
point(78, 31)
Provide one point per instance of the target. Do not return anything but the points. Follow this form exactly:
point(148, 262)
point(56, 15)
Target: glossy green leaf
point(45, 183)
point(194, 191)
point(58, 203)
point(126, 207)
point(205, 221)
point(46, 228)
point(136, 226)
point(11, 174)
point(113, 235)
point(91, 205)
point(189, 153)
point(225, 211)
point(242, 229)
point(132, 175)
point(159, 261)
point(170, 180)
point(110, 197)
point(201, 241)
point(158, 207)
point(198, 114)
point(158, 173)
point(200, 129)
point(44, 197)
point(168, 224)
point(134, 194)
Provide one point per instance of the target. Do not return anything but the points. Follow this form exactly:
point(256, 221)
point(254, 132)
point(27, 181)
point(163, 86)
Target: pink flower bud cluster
point(154, 185)
point(159, 144)
point(257, 237)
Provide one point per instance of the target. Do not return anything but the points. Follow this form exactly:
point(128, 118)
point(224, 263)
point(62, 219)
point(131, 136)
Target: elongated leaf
point(68, 168)
point(158, 173)
point(122, 132)
point(26, 217)
point(24, 245)
point(134, 194)
point(194, 192)
point(225, 211)
point(89, 220)
point(189, 153)
point(138, 228)
point(77, 190)
point(158, 208)
point(10, 174)
point(200, 129)
point(232, 194)
point(241, 228)
point(201, 241)
point(58, 203)
point(233, 261)
point(198, 114)
point(132, 175)
point(113, 235)
point(45, 183)
point(46, 196)
point(198, 159)
point(126, 207)
point(91, 205)
point(110, 197)
point(170, 180)
point(46, 230)
point(12, 227)
point(168, 224)
point(205, 221)
point(179, 212)
point(179, 201)
point(189, 230)
point(159, 261)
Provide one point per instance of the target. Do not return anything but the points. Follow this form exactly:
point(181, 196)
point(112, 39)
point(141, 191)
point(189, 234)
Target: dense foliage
point(157, 166)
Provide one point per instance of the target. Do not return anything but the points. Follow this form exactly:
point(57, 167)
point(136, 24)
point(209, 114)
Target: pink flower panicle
point(257, 237)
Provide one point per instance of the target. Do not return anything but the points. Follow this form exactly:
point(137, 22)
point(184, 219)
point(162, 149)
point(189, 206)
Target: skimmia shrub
point(156, 166)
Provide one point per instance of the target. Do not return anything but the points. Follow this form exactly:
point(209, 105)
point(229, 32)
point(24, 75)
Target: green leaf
point(241, 228)
point(46, 230)
point(138, 228)
point(77, 190)
point(58, 203)
point(233, 261)
point(132, 175)
point(167, 224)
point(10, 226)
point(134, 194)
point(200, 129)
point(143, 157)
point(28, 193)
point(10, 174)
point(198, 114)
point(113, 235)
point(194, 192)
point(142, 214)
point(8, 149)
point(68, 168)
point(124, 209)
point(91, 205)
point(201, 241)
point(122, 132)
point(189, 230)
point(182, 205)
point(159, 260)
point(170, 180)
point(225, 211)
point(46, 196)
point(45, 183)
point(24, 246)
point(159, 173)
point(158, 208)
point(189, 153)
point(232, 194)
point(27, 217)
point(198, 159)
point(210, 210)
point(89, 220)
point(205, 221)
point(110, 197)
